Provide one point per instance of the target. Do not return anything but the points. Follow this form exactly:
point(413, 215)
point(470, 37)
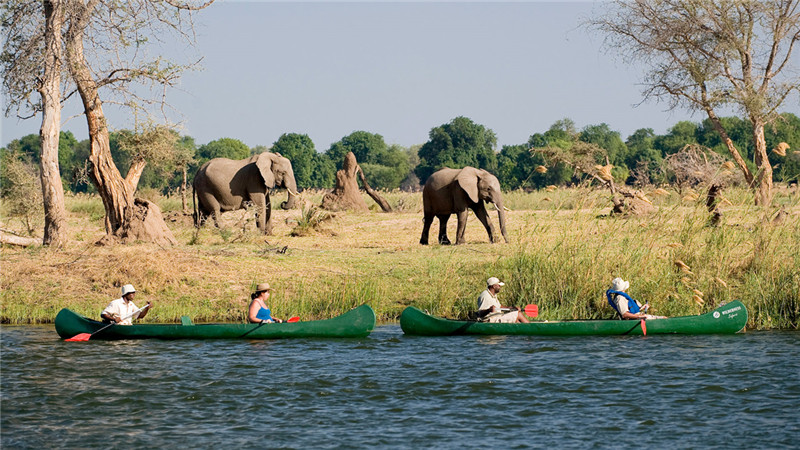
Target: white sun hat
point(494, 280)
point(618, 284)
point(127, 289)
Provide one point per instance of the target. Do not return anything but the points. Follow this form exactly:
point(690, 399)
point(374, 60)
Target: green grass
point(564, 251)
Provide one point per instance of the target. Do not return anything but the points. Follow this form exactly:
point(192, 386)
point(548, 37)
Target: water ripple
point(389, 390)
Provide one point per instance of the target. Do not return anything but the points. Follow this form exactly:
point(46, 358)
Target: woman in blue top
point(259, 311)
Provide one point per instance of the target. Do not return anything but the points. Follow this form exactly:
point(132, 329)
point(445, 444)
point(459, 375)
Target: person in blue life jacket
point(259, 312)
point(625, 306)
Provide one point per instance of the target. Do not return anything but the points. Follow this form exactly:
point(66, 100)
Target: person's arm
point(110, 313)
point(110, 317)
point(143, 312)
point(253, 311)
point(485, 312)
point(629, 315)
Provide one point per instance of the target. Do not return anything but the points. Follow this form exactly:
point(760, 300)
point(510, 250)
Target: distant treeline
point(461, 142)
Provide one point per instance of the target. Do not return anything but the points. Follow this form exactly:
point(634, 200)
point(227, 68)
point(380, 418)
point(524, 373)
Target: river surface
point(393, 391)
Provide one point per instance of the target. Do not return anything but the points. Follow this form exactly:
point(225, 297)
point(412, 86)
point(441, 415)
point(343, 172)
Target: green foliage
point(457, 144)
point(680, 135)
point(21, 189)
point(385, 167)
point(311, 169)
point(610, 141)
point(222, 148)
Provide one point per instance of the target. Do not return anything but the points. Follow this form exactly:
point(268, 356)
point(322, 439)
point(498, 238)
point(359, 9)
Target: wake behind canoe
point(726, 319)
point(357, 322)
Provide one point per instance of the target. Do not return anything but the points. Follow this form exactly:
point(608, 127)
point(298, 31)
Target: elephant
point(225, 185)
point(449, 191)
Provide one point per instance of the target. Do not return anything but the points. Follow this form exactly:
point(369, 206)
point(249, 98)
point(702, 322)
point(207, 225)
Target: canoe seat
point(185, 320)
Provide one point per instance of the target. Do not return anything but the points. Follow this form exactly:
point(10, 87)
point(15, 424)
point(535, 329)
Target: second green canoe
point(357, 322)
point(726, 319)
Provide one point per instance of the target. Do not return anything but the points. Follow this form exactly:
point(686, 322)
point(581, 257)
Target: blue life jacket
point(264, 314)
point(633, 307)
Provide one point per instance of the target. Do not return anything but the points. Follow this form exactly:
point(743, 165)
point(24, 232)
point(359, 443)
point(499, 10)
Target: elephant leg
point(262, 210)
point(213, 210)
point(443, 218)
point(426, 228)
point(462, 226)
point(267, 215)
point(483, 216)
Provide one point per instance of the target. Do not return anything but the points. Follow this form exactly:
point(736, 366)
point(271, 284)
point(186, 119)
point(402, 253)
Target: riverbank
point(563, 252)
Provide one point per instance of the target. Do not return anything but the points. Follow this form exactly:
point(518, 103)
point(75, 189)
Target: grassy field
point(563, 253)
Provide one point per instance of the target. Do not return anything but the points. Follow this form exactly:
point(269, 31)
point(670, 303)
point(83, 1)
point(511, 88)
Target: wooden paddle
point(85, 336)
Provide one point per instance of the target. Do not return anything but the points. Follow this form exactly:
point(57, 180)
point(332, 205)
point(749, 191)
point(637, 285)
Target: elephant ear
point(264, 164)
point(468, 180)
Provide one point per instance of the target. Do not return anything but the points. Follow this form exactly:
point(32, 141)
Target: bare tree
point(707, 55)
point(31, 62)
point(117, 31)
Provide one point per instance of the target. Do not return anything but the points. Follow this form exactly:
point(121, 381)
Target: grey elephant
point(450, 191)
point(225, 185)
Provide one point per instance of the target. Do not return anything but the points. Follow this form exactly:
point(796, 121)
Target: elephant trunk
point(501, 217)
point(291, 199)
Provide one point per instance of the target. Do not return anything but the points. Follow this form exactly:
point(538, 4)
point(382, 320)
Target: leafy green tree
point(602, 136)
point(643, 159)
point(222, 148)
point(301, 152)
point(681, 134)
point(457, 144)
point(385, 167)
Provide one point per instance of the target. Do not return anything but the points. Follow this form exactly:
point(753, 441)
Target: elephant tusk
point(504, 208)
point(291, 192)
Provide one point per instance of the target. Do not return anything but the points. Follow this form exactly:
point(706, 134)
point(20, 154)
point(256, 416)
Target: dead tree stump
point(346, 194)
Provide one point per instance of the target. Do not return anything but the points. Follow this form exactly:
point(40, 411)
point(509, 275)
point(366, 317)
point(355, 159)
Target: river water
point(394, 391)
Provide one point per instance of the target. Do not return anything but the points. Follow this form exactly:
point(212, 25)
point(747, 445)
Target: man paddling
point(490, 309)
point(122, 311)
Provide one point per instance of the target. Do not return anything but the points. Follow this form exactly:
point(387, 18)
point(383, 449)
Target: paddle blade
point(644, 328)
point(293, 319)
point(79, 338)
point(532, 310)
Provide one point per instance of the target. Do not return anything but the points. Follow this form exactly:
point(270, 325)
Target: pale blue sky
point(327, 69)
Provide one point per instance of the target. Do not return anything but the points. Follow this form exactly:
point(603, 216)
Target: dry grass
point(562, 255)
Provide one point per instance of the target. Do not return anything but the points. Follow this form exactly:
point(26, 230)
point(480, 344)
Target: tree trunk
point(748, 176)
point(52, 189)
point(764, 175)
point(184, 203)
point(372, 193)
point(122, 212)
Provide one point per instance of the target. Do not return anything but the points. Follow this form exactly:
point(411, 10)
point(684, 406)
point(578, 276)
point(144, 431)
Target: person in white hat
point(122, 311)
point(625, 306)
point(490, 309)
point(259, 312)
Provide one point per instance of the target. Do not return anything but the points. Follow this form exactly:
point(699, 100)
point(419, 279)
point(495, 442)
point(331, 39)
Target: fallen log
point(12, 239)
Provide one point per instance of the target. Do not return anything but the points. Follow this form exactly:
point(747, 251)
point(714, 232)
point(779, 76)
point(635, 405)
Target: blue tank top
point(264, 314)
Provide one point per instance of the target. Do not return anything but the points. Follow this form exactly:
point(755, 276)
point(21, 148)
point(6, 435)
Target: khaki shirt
point(486, 300)
point(122, 309)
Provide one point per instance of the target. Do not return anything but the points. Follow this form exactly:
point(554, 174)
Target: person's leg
point(521, 317)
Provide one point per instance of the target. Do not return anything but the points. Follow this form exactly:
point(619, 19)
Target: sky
point(398, 69)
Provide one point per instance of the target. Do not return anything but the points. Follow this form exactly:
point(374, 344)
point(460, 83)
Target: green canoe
point(727, 319)
point(357, 322)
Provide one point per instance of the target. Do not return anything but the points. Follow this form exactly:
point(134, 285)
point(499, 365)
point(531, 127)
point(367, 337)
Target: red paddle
point(85, 336)
point(532, 310)
point(293, 319)
point(644, 328)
